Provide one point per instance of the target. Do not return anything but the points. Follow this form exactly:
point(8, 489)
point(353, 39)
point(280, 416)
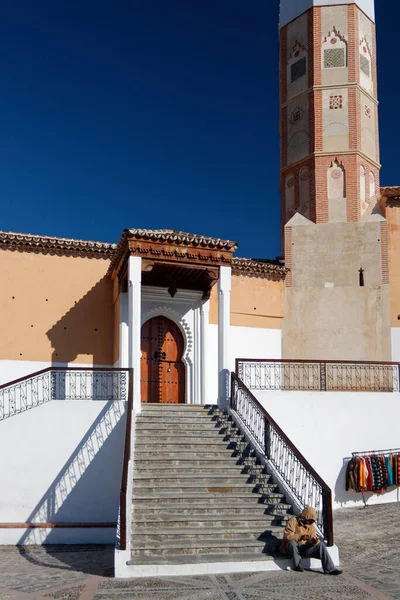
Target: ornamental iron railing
point(318, 376)
point(62, 383)
point(290, 467)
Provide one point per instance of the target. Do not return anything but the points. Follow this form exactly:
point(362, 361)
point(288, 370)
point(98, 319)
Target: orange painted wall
point(393, 219)
point(255, 302)
point(55, 308)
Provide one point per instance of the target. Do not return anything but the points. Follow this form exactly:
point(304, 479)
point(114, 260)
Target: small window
point(298, 69)
point(364, 65)
point(334, 58)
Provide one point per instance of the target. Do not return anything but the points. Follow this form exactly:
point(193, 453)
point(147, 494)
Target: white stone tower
point(335, 240)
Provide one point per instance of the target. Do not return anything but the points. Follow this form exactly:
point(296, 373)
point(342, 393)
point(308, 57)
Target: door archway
point(162, 371)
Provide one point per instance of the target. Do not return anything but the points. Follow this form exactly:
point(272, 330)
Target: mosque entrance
point(162, 371)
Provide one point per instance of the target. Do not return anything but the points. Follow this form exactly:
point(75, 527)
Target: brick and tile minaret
point(337, 301)
point(328, 109)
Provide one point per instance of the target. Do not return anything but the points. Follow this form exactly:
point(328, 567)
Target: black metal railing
point(339, 376)
point(290, 466)
point(62, 383)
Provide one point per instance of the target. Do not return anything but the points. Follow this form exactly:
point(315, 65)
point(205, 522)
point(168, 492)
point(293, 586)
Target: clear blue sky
point(153, 114)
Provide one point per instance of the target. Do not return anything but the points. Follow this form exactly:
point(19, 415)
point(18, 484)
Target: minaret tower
point(337, 304)
point(328, 109)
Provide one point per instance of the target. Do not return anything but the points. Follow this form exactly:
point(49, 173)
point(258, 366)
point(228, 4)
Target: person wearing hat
point(300, 539)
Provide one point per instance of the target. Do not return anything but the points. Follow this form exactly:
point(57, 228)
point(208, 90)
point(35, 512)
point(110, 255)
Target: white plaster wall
point(246, 342)
point(64, 464)
point(14, 369)
point(290, 9)
point(328, 426)
point(395, 344)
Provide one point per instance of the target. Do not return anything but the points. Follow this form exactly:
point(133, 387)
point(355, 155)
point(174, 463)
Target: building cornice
point(249, 267)
point(26, 242)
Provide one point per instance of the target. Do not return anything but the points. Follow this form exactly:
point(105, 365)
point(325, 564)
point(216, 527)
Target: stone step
point(166, 522)
point(190, 444)
point(200, 471)
point(158, 428)
point(229, 510)
point(216, 486)
point(157, 407)
point(193, 559)
point(189, 494)
point(227, 456)
point(167, 420)
point(198, 480)
point(203, 437)
point(208, 464)
point(227, 547)
point(156, 536)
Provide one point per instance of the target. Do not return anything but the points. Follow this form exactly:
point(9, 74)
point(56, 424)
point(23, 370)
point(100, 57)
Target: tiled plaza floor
point(368, 539)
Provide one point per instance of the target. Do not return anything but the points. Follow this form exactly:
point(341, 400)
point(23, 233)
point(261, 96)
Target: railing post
point(267, 437)
point(327, 516)
point(322, 377)
point(398, 377)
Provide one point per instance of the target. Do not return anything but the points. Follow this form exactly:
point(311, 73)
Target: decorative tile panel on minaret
point(328, 109)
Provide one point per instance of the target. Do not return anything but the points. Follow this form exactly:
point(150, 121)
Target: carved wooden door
point(162, 373)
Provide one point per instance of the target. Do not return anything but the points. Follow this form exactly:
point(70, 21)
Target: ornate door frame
point(190, 313)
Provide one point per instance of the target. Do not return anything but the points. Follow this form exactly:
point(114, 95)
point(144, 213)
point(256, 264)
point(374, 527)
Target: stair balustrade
point(62, 383)
point(292, 470)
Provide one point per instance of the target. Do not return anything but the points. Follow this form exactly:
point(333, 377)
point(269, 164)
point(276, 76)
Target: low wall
point(62, 464)
point(328, 426)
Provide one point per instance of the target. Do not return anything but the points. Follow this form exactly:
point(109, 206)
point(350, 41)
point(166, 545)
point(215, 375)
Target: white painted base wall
point(328, 426)
point(396, 344)
point(246, 342)
point(62, 463)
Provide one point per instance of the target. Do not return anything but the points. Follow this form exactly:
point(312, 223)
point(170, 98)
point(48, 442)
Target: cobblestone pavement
point(368, 539)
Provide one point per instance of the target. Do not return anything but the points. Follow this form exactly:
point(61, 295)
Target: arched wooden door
point(162, 372)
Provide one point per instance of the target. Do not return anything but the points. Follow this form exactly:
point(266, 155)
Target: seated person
point(300, 539)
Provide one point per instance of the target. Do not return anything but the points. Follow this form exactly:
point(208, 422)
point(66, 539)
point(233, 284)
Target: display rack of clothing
point(373, 471)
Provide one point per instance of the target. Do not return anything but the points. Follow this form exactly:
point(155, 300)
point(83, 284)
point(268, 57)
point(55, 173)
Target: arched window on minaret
point(290, 196)
point(334, 50)
point(304, 192)
point(363, 195)
point(366, 65)
point(297, 63)
point(336, 180)
point(372, 185)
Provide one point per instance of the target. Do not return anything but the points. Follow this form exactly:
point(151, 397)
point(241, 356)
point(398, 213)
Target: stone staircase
point(199, 492)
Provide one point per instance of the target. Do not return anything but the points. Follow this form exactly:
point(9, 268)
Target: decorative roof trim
point(64, 246)
point(253, 268)
point(391, 194)
point(170, 236)
point(181, 237)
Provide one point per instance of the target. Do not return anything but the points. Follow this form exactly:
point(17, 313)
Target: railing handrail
point(312, 361)
point(48, 369)
point(125, 467)
point(283, 435)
